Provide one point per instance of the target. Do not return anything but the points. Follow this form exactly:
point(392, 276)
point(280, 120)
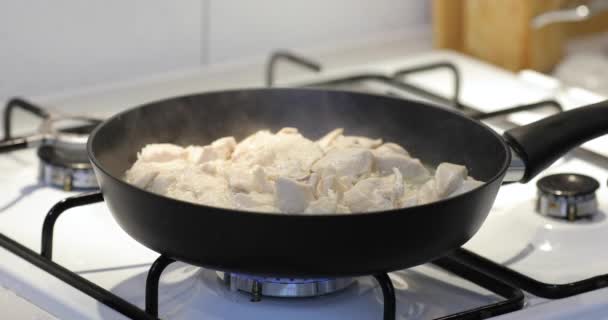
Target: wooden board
point(499, 31)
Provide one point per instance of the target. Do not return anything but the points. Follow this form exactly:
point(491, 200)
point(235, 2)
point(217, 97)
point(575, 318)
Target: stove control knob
point(567, 196)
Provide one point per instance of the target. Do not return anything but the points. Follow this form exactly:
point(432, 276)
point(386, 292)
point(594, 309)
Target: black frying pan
point(321, 245)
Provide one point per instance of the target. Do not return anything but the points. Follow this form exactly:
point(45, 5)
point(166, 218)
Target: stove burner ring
point(67, 132)
point(64, 162)
point(68, 169)
point(567, 196)
point(283, 287)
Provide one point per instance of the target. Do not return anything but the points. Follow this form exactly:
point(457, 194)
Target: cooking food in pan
point(286, 172)
point(322, 245)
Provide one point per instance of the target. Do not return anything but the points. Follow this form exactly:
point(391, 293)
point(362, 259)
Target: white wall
point(54, 45)
point(49, 46)
point(244, 28)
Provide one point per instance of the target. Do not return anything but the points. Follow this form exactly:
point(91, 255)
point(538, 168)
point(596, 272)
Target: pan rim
point(97, 164)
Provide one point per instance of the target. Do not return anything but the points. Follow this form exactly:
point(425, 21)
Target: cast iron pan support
point(465, 268)
point(24, 105)
point(399, 74)
point(152, 282)
point(9, 143)
point(153, 279)
point(48, 226)
point(388, 292)
point(291, 57)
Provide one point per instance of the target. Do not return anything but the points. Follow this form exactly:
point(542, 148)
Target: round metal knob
point(567, 196)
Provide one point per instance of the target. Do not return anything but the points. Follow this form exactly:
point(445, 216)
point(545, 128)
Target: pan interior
point(432, 134)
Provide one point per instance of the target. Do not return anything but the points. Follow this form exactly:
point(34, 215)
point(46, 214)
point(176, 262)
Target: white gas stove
point(541, 258)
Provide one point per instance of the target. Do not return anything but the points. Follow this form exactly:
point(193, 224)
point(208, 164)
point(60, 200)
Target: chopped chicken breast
point(329, 138)
point(161, 152)
point(390, 147)
point(427, 193)
point(288, 173)
point(368, 195)
point(352, 162)
point(412, 169)
point(286, 154)
point(466, 186)
point(449, 177)
point(292, 196)
point(355, 142)
point(322, 205)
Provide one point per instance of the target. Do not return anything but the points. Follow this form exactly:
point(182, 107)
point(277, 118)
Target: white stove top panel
point(546, 249)
point(88, 241)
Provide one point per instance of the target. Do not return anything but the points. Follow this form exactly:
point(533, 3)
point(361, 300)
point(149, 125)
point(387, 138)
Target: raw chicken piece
point(467, 185)
point(427, 193)
point(326, 141)
point(367, 195)
point(448, 178)
point(344, 183)
point(325, 185)
point(161, 152)
point(398, 187)
point(220, 149)
point(327, 204)
point(411, 168)
point(292, 196)
point(390, 147)
point(140, 176)
point(242, 179)
point(352, 162)
point(265, 208)
point(252, 200)
point(287, 154)
point(200, 155)
point(249, 150)
point(224, 146)
point(354, 142)
point(286, 172)
point(342, 209)
point(143, 173)
point(162, 182)
point(208, 190)
point(215, 167)
point(409, 198)
point(313, 181)
point(288, 130)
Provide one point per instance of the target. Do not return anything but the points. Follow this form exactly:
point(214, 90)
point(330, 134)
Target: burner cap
point(84, 129)
point(568, 184)
point(63, 157)
point(567, 195)
point(283, 287)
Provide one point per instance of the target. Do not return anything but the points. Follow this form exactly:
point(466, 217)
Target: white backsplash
point(48, 47)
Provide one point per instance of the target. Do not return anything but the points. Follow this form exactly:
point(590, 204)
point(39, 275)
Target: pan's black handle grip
point(541, 143)
point(13, 144)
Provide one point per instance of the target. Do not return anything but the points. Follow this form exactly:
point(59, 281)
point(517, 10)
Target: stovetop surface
point(89, 242)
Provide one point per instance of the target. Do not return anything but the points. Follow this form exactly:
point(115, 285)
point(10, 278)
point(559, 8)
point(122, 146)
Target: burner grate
point(514, 298)
point(61, 141)
point(535, 287)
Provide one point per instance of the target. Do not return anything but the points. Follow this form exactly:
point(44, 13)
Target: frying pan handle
point(541, 143)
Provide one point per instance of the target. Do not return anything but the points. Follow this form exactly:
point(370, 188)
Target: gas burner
point(283, 287)
point(567, 196)
point(61, 141)
point(66, 169)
